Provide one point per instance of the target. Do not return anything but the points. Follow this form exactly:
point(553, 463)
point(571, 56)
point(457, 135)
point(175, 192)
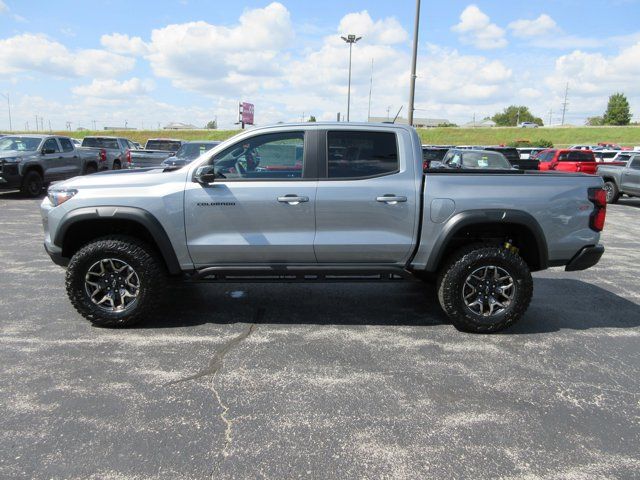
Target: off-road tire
point(117, 165)
point(141, 257)
point(613, 193)
point(90, 169)
point(454, 274)
point(32, 184)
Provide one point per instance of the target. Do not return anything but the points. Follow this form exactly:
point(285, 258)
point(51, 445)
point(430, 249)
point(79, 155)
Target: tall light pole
point(414, 60)
point(9, 108)
point(350, 39)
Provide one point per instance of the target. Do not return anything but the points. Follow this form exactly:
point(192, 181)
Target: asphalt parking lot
point(320, 381)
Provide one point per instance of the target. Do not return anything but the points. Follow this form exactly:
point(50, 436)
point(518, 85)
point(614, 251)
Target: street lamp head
point(351, 38)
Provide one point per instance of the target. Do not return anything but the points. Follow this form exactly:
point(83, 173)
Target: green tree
point(513, 114)
point(212, 125)
point(618, 112)
point(595, 121)
point(311, 119)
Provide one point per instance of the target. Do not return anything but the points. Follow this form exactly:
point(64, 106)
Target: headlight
point(12, 159)
point(58, 197)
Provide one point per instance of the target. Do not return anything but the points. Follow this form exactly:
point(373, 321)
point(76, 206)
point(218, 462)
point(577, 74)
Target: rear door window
point(67, 146)
point(356, 154)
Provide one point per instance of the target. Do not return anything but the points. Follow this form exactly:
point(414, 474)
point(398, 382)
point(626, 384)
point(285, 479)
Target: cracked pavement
point(333, 381)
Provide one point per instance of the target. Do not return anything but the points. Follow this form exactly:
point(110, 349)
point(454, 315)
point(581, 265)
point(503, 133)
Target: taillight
point(598, 197)
point(128, 157)
point(103, 155)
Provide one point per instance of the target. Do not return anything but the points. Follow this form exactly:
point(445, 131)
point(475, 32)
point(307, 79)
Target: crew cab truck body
point(155, 151)
point(621, 179)
point(29, 162)
point(315, 202)
point(113, 152)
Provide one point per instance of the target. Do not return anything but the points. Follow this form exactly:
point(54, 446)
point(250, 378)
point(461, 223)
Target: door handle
point(391, 199)
point(293, 199)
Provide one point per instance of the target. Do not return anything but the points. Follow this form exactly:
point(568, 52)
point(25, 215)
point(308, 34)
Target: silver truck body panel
point(343, 222)
point(626, 177)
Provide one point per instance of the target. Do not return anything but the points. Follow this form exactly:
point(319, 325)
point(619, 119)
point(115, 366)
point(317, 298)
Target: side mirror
point(205, 175)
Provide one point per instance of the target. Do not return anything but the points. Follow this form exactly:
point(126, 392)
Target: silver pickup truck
point(155, 151)
point(29, 162)
point(621, 179)
point(114, 152)
point(321, 202)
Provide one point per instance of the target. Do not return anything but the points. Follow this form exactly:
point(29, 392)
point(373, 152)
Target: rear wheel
point(115, 281)
point(117, 165)
point(485, 289)
point(613, 194)
point(32, 184)
point(91, 168)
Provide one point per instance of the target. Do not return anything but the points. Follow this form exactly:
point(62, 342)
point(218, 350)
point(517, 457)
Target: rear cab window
point(108, 143)
point(67, 146)
point(165, 145)
point(355, 154)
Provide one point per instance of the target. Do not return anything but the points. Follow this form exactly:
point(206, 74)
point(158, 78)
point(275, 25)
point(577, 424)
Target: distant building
point(179, 126)
point(488, 123)
point(417, 122)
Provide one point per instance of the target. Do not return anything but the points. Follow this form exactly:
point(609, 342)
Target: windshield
point(191, 151)
point(22, 144)
point(166, 145)
point(484, 160)
point(109, 143)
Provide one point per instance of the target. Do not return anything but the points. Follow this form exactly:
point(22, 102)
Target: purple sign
point(246, 113)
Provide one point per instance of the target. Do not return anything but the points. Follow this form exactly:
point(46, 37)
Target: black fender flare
point(138, 215)
point(479, 217)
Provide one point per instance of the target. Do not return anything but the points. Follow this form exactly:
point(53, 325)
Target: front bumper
point(10, 177)
point(56, 255)
point(585, 258)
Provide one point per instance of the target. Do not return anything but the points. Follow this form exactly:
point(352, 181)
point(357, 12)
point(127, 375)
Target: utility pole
point(370, 90)
point(518, 118)
point(50, 126)
point(350, 39)
point(414, 60)
point(550, 116)
point(388, 109)
point(565, 103)
point(36, 123)
point(26, 125)
point(8, 108)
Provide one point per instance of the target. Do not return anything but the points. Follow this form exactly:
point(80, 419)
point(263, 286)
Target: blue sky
point(149, 63)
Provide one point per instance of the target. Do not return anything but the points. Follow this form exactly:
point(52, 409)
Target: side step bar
point(294, 274)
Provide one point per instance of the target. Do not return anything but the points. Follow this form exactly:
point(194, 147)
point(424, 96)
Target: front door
point(367, 207)
point(261, 207)
point(52, 160)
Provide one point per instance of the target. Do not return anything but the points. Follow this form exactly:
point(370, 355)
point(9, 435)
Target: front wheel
point(32, 184)
point(115, 281)
point(485, 289)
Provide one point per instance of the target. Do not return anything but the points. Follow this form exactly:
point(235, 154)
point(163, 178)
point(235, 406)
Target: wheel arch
point(482, 225)
point(80, 226)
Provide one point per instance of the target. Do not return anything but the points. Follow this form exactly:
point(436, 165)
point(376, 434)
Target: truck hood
point(124, 179)
point(15, 154)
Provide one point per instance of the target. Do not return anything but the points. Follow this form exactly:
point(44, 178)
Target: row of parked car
point(30, 162)
point(621, 175)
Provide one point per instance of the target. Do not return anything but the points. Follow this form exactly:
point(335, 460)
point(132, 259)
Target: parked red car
point(567, 160)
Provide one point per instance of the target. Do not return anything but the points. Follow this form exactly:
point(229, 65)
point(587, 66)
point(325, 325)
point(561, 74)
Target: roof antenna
point(396, 117)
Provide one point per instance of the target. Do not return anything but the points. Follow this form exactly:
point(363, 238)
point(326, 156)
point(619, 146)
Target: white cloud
point(124, 44)
point(215, 59)
point(113, 89)
point(37, 53)
point(387, 31)
point(543, 25)
point(475, 28)
point(3, 7)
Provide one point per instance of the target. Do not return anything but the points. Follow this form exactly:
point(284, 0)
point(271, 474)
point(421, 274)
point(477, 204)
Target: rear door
point(261, 207)
point(367, 200)
point(72, 161)
point(631, 177)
